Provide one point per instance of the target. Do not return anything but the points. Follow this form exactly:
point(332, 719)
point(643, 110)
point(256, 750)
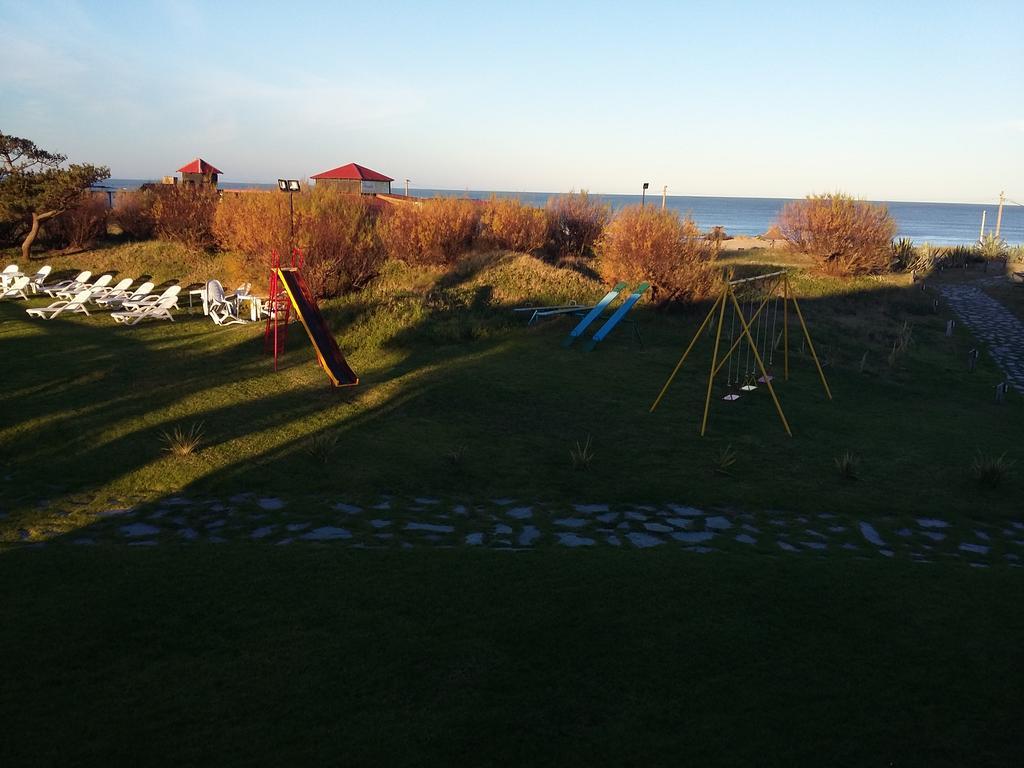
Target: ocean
point(936, 223)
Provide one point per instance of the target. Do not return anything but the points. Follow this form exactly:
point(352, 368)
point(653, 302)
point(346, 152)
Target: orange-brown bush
point(662, 248)
point(432, 232)
point(339, 236)
point(185, 215)
point(843, 235)
point(256, 224)
point(133, 213)
point(336, 232)
point(81, 225)
point(575, 222)
point(508, 223)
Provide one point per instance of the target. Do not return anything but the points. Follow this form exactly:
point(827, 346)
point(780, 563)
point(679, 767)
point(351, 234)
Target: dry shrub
point(660, 247)
point(185, 215)
point(339, 236)
point(509, 224)
point(255, 223)
point(133, 213)
point(80, 226)
point(575, 222)
point(843, 235)
point(433, 232)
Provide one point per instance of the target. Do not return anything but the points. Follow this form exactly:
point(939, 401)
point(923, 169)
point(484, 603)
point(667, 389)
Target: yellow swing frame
point(728, 297)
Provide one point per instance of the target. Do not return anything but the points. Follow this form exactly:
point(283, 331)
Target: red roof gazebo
point(357, 179)
point(199, 172)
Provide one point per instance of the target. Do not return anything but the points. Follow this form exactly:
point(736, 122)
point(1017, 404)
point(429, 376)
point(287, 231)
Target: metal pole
point(664, 191)
point(981, 235)
point(999, 216)
point(291, 221)
point(693, 341)
point(714, 360)
point(643, 196)
point(406, 187)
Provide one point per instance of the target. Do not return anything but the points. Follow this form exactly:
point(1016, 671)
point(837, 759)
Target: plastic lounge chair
point(169, 293)
point(101, 282)
point(75, 304)
point(161, 310)
point(10, 272)
point(219, 308)
point(114, 301)
point(63, 285)
point(15, 289)
point(103, 291)
point(37, 280)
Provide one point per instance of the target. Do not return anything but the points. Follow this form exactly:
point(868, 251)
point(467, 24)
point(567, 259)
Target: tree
point(35, 185)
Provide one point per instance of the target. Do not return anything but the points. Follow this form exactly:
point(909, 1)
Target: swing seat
point(763, 380)
point(731, 396)
point(748, 387)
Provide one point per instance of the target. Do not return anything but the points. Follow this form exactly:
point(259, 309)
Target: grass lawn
point(245, 653)
point(271, 656)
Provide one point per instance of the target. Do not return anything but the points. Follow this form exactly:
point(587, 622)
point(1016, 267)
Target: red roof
point(198, 166)
point(352, 171)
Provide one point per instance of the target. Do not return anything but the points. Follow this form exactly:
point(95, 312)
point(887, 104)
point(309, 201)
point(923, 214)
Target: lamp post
point(643, 194)
point(406, 187)
point(291, 186)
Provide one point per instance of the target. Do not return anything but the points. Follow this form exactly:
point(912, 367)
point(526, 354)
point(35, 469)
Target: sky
point(887, 101)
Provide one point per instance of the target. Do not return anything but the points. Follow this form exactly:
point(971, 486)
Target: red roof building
point(356, 179)
point(199, 172)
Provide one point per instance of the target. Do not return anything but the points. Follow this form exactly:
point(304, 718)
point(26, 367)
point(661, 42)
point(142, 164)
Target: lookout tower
point(199, 172)
point(355, 179)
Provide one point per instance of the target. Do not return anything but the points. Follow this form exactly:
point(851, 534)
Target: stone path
point(994, 324)
point(513, 525)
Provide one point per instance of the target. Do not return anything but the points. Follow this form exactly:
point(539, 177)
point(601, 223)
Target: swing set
point(749, 299)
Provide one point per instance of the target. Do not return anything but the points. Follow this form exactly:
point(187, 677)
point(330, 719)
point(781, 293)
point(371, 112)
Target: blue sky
point(899, 101)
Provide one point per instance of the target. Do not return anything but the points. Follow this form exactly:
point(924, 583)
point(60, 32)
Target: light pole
point(643, 194)
point(291, 186)
point(406, 187)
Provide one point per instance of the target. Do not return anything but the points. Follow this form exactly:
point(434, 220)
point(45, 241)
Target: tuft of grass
point(322, 447)
point(582, 455)
point(989, 470)
point(179, 442)
point(725, 459)
point(848, 465)
point(455, 455)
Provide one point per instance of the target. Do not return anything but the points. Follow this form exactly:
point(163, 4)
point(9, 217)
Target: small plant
point(990, 471)
point(724, 460)
point(992, 248)
point(582, 455)
point(1015, 254)
point(903, 254)
point(455, 455)
point(179, 442)
point(848, 466)
point(863, 362)
point(321, 447)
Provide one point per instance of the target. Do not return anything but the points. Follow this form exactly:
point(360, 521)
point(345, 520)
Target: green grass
point(446, 366)
point(245, 654)
point(264, 656)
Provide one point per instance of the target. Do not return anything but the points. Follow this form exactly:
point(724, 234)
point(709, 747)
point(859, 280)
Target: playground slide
point(327, 350)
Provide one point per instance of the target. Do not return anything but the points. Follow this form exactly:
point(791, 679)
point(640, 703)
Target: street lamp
point(290, 186)
point(643, 194)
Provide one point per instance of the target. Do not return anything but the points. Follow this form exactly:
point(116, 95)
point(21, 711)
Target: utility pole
point(643, 194)
point(664, 191)
point(999, 216)
point(406, 187)
point(981, 235)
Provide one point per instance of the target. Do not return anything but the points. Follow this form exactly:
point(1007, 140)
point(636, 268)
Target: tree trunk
point(37, 219)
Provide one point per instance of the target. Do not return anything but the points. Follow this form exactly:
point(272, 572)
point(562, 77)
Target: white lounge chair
point(218, 307)
point(101, 282)
point(15, 289)
point(37, 280)
point(103, 291)
point(63, 285)
point(161, 310)
point(114, 300)
point(75, 304)
point(169, 293)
